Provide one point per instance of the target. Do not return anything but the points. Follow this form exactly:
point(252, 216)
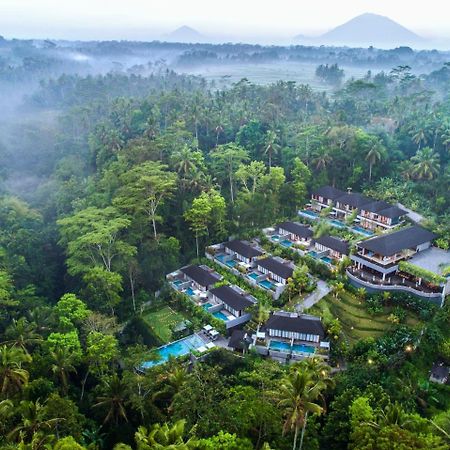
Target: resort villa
point(194, 280)
point(235, 255)
point(288, 335)
point(242, 251)
point(403, 260)
point(230, 304)
point(330, 248)
point(370, 214)
point(294, 232)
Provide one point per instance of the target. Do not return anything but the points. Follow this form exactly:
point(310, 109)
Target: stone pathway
point(321, 290)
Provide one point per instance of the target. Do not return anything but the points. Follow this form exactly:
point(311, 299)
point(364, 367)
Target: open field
point(265, 73)
point(356, 321)
point(162, 320)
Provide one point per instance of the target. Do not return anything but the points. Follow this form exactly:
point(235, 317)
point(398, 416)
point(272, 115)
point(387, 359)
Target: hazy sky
point(148, 19)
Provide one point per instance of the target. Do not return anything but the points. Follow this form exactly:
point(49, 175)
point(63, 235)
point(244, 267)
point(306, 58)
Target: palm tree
point(22, 333)
point(426, 164)
point(114, 399)
point(298, 395)
point(271, 145)
point(322, 158)
point(419, 136)
point(62, 366)
point(173, 381)
point(374, 155)
point(337, 288)
point(165, 436)
point(12, 376)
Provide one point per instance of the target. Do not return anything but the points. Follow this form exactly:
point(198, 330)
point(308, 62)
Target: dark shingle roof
point(334, 243)
point(278, 268)
point(439, 371)
point(354, 199)
point(328, 192)
point(295, 324)
point(200, 275)
point(384, 209)
point(232, 298)
point(243, 249)
point(392, 212)
point(392, 243)
point(296, 228)
point(239, 340)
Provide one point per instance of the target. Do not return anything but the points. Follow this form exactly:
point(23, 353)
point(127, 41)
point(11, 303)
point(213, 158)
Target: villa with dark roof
point(371, 214)
point(242, 251)
point(331, 246)
point(233, 299)
point(295, 232)
point(403, 260)
point(291, 336)
point(277, 270)
point(201, 276)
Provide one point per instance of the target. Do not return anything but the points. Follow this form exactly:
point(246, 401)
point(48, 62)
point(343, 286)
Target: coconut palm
point(12, 376)
point(172, 383)
point(165, 437)
point(62, 366)
point(271, 145)
point(22, 333)
point(322, 158)
point(298, 394)
point(374, 155)
point(113, 399)
point(426, 164)
point(419, 136)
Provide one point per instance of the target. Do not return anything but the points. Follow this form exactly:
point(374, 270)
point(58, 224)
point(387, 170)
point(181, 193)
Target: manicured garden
point(162, 320)
point(357, 322)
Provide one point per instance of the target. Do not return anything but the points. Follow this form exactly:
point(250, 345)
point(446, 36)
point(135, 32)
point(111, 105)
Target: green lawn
point(162, 320)
point(356, 321)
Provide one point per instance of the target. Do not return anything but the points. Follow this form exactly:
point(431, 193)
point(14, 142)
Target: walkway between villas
point(414, 216)
point(321, 290)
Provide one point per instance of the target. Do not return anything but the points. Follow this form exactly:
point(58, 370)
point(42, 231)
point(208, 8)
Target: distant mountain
point(370, 29)
point(185, 34)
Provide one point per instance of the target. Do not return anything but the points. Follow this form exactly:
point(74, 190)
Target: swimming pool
point(275, 238)
point(311, 214)
point(280, 346)
point(175, 350)
point(337, 223)
point(190, 291)
point(206, 306)
point(253, 275)
point(178, 282)
point(286, 243)
point(326, 259)
point(302, 348)
point(361, 230)
point(266, 284)
point(220, 315)
point(231, 263)
point(312, 253)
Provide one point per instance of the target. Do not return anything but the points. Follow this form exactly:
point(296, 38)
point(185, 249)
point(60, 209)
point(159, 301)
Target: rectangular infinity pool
point(307, 213)
point(361, 230)
point(302, 348)
point(206, 306)
point(190, 291)
point(253, 275)
point(337, 223)
point(280, 346)
point(220, 315)
point(326, 259)
point(286, 243)
point(231, 263)
point(266, 284)
point(175, 350)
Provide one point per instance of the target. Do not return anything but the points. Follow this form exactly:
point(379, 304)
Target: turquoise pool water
point(302, 348)
point(220, 315)
point(231, 263)
point(327, 260)
point(177, 282)
point(190, 291)
point(175, 350)
point(280, 346)
point(363, 231)
point(286, 243)
point(312, 253)
point(337, 223)
point(307, 213)
point(275, 238)
point(253, 275)
point(206, 306)
point(266, 284)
